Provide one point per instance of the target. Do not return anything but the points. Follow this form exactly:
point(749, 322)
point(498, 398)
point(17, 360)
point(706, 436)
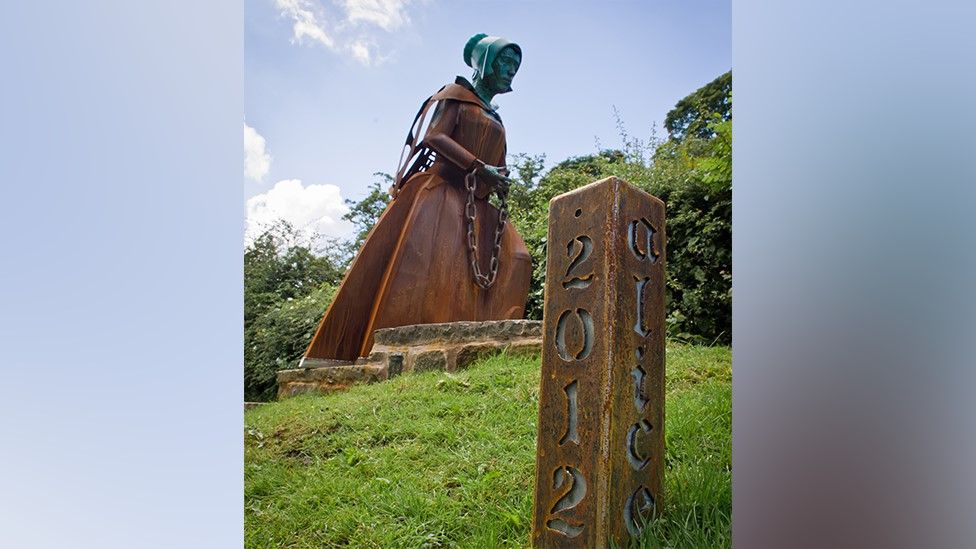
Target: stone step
point(449, 346)
point(456, 332)
point(327, 379)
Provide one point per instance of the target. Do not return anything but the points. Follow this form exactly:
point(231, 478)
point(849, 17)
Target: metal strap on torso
point(411, 145)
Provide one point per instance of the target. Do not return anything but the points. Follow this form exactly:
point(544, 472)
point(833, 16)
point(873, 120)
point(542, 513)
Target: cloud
point(386, 14)
point(306, 22)
point(351, 29)
point(316, 210)
point(257, 161)
point(361, 52)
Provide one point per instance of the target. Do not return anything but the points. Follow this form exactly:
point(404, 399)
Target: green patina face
point(499, 79)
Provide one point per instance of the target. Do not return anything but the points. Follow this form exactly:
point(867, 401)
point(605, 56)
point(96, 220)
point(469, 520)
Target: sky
point(331, 86)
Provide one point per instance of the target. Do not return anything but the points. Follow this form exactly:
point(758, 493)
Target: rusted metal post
point(600, 452)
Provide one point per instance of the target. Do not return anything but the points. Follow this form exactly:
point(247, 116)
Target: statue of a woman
point(440, 252)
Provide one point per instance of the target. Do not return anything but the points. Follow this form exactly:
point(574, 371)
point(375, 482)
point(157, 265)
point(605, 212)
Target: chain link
point(482, 280)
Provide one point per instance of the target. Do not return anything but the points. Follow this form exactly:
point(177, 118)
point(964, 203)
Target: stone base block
point(453, 346)
point(450, 346)
point(327, 379)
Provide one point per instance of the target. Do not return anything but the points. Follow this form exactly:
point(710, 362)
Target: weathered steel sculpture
point(440, 252)
point(600, 452)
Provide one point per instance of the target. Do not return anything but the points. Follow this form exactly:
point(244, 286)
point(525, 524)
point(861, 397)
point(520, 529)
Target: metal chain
point(470, 182)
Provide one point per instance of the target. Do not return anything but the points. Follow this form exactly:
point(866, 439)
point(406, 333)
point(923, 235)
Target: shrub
point(287, 287)
point(693, 178)
point(278, 338)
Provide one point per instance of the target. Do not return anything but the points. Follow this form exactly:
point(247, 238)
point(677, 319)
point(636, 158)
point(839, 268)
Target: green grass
point(441, 460)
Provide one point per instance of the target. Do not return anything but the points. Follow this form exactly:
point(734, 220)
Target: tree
point(277, 340)
point(715, 164)
point(693, 115)
point(281, 271)
point(525, 170)
point(365, 213)
point(278, 266)
point(692, 175)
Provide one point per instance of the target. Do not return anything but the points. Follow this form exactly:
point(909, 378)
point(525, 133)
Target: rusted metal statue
point(440, 252)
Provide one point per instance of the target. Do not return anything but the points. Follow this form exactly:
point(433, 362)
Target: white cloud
point(306, 22)
point(316, 210)
point(386, 14)
point(257, 161)
point(351, 30)
point(360, 51)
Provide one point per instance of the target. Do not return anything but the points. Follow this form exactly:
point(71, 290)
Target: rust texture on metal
point(600, 453)
point(441, 252)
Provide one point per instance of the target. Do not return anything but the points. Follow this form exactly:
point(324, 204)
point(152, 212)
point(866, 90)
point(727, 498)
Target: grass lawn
point(441, 460)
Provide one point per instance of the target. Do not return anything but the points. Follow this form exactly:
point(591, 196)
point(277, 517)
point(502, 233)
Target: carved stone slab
point(600, 452)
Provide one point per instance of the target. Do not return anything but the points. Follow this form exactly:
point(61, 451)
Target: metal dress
point(414, 267)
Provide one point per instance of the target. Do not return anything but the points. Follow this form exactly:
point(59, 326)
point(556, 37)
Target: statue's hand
point(497, 174)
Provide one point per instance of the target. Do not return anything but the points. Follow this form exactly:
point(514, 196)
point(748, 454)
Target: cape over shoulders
point(461, 90)
point(458, 91)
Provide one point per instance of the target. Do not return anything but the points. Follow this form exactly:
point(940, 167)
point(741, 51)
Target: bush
point(278, 338)
point(287, 287)
point(693, 178)
point(699, 263)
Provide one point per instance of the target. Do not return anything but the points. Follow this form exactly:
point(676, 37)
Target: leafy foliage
point(693, 115)
point(280, 272)
point(365, 213)
point(694, 179)
point(277, 339)
point(715, 167)
point(699, 262)
point(288, 285)
point(278, 266)
point(693, 176)
point(525, 170)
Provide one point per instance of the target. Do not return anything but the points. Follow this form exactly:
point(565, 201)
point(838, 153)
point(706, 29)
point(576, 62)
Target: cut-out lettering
point(584, 244)
point(637, 510)
point(569, 497)
point(571, 415)
point(639, 326)
point(565, 528)
point(574, 334)
point(634, 455)
point(638, 373)
point(641, 240)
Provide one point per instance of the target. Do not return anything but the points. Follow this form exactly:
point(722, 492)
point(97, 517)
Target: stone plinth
point(449, 346)
point(453, 346)
point(326, 379)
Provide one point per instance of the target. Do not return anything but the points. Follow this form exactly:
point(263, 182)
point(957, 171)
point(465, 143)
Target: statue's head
point(495, 61)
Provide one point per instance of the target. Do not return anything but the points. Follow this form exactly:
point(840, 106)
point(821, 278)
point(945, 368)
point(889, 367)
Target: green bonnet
point(481, 50)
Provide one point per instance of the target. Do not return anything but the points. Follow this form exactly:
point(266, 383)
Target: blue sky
point(331, 86)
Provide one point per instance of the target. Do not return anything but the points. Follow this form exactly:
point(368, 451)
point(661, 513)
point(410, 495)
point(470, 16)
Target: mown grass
point(441, 460)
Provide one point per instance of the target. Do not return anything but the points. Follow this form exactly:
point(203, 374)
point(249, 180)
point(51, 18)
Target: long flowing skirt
point(414, 268)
